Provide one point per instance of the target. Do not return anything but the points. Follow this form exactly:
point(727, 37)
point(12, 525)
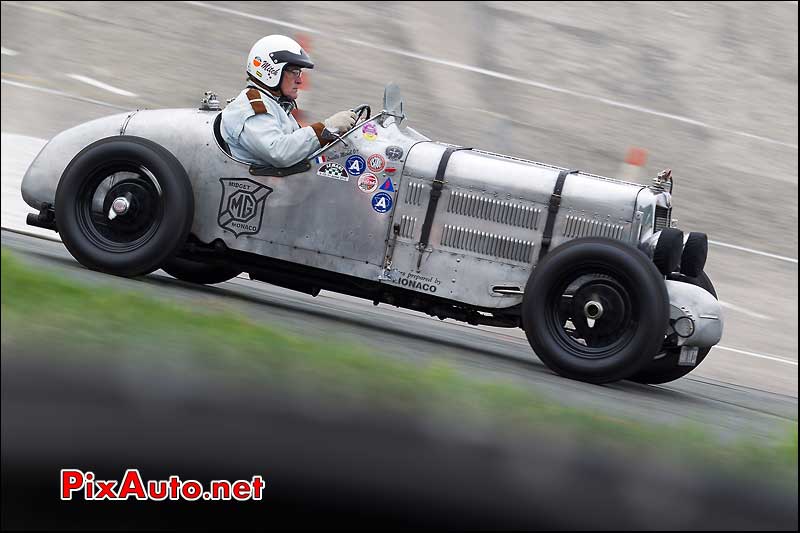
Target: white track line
point(30, 234)
point(8, 52)
point(745, 311)
point(495, 74)
point(758, 355)
point(65, 95)
point(100, 85)
point(757, 252)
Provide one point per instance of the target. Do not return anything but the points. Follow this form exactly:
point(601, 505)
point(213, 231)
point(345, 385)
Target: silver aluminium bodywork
point(486, 230)
point(700, 312)
point(489, 222)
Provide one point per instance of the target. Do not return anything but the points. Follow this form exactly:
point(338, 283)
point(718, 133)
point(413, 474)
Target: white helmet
point(270, 55)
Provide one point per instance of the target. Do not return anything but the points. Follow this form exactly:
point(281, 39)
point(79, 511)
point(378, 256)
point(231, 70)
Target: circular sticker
point(394, 152)
point(370, 131)
point(368, 182)
point(355, 165)
point(376, 162)
point(381, 202)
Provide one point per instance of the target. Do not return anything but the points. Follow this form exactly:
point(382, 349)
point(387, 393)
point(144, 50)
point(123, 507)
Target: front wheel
point(595, 310)
point(664, 367)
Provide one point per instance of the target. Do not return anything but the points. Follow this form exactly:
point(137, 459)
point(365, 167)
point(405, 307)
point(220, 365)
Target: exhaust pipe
point(286, 282)
point(46, 218)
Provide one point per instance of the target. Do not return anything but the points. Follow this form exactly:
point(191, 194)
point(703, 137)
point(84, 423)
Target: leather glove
point(341, 121)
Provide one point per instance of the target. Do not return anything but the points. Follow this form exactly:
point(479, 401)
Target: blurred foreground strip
point(102, 380)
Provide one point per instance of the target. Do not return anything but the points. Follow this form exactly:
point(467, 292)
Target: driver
point(257, 124)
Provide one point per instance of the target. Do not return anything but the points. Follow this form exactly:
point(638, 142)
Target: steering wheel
point(359, 111)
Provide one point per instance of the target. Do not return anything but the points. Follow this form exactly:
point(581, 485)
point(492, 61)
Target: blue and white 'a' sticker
point(355, 165)
point(382, 202)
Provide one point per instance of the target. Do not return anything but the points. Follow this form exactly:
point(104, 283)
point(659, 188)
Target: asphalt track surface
point(625, 75)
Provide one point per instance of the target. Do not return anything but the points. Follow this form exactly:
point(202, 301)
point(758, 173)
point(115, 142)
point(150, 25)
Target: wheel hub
point(593, 310)
point(119, 207)
point(600, 312)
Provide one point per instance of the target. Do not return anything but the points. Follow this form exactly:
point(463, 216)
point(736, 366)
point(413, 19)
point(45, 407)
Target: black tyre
point(695, 252)
point(149, 193)
point(664, 367)
point(595, 310)
point(667, 255)
point(197, 272)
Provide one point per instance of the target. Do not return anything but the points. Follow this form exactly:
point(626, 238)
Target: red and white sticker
point(367, 182)
point(376, 162)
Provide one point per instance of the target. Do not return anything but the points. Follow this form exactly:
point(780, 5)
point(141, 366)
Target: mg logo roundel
point(241, 207)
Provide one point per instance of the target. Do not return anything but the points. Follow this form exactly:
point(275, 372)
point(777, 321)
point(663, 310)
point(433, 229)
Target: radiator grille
point(414, 193)
point(407, 225)
point(494, 210)
point(583, 227)
point(484, 243)
point(662, 218)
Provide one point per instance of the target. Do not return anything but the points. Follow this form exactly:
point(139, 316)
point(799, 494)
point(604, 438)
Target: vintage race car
point(590, 267)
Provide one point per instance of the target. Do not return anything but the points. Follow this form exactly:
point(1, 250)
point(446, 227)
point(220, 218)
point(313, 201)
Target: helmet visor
point(285, 56)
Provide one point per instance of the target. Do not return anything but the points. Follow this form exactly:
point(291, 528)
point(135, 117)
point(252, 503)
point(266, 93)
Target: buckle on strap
point(555, 203)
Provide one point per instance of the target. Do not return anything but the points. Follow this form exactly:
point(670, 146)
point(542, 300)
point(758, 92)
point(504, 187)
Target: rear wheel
point(664, 367)
point(124, 205)
point(595, 310)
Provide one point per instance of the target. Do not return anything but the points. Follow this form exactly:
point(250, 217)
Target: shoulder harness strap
point(258, 105)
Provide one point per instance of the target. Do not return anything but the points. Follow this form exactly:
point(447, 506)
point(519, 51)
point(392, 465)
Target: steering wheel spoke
point(360, 110)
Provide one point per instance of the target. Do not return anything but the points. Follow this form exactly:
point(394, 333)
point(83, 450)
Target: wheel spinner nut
point(593, 310)
point(120, 205)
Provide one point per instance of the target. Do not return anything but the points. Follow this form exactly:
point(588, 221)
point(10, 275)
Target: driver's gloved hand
point(341, 121)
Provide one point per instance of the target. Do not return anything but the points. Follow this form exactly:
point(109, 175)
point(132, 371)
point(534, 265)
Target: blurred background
point(621, 89)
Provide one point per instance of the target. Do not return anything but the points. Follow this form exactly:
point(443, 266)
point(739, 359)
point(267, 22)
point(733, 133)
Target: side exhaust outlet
point(46, 218)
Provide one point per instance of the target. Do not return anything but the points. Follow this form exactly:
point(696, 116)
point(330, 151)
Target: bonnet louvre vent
point(414, 193)
point(494, 210)
point(584, 227)
point(484, 243)
point(407, 225)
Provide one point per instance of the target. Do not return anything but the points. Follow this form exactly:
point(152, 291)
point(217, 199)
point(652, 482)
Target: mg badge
point(241, 207)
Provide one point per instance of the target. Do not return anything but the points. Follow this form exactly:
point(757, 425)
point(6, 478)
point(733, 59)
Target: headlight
point(684, 327)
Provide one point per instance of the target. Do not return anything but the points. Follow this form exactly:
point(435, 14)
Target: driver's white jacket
point(258, 131)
